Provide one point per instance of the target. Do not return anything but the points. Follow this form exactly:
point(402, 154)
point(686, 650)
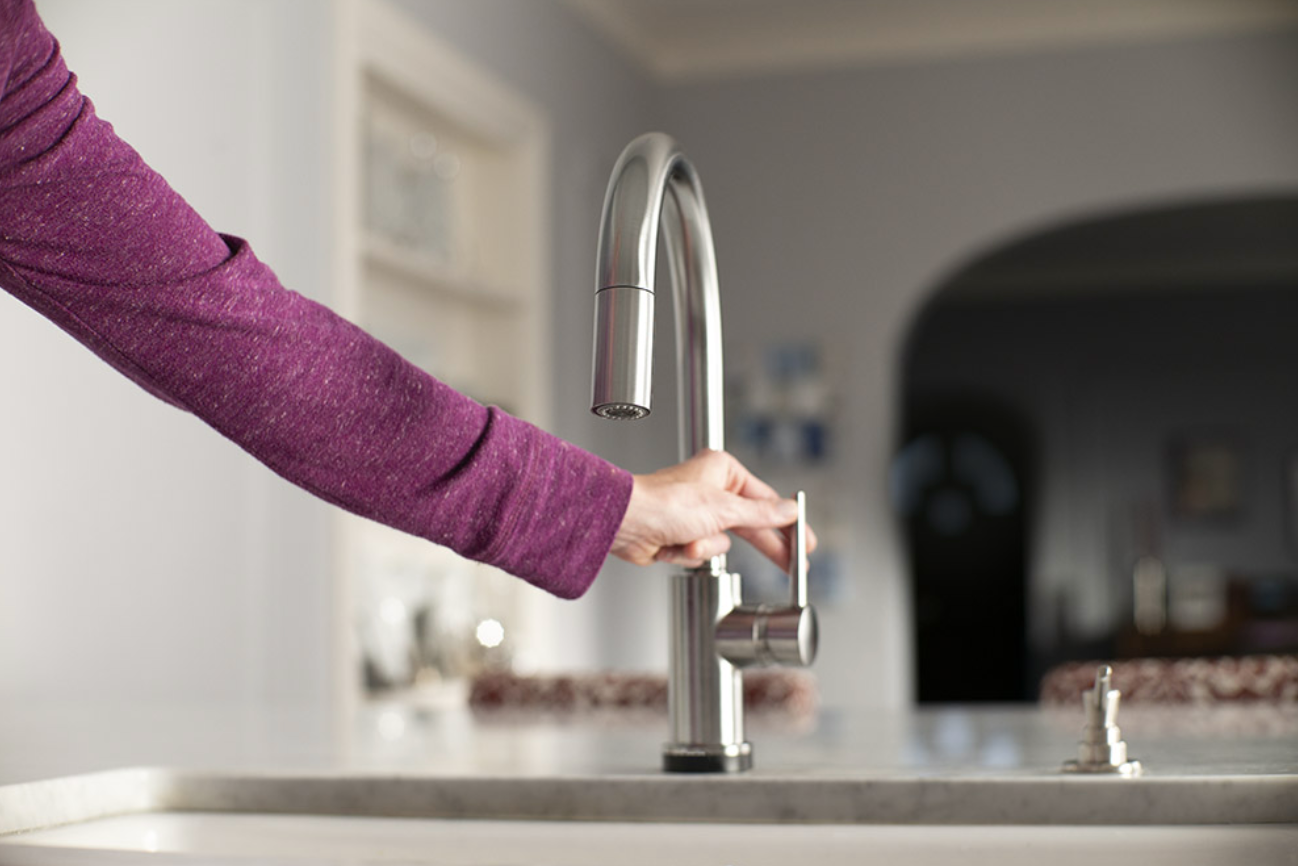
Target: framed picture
point(1207, 477)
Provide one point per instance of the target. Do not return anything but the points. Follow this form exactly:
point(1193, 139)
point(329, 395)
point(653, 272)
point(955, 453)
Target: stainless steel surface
point(769, 634)
point(1102, 749)
point(653, 185)
point(624, 342)
point(705, 699)
point(792, 636)
point(757, 635)
point(798, 557)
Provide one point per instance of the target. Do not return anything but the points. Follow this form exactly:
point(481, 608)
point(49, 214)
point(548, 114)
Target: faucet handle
point(771, 634)
point(791, 635)
point(798, 556)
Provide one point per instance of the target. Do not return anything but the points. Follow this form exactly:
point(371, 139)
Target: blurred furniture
point(775, 689)
point(1191, 681)
point(1253, 615)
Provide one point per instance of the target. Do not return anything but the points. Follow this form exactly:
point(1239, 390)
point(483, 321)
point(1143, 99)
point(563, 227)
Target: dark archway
point(1090, 357)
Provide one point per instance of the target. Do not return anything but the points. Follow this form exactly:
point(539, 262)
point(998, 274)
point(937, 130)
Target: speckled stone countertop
point(952, 766)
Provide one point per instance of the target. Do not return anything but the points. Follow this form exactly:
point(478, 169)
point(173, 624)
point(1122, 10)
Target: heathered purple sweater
point(97, 242)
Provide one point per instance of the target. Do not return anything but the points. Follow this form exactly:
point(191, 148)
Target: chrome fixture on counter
point(713, 636)
point(1102, 749)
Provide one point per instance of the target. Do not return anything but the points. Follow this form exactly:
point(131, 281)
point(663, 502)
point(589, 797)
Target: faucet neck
point(653, 184)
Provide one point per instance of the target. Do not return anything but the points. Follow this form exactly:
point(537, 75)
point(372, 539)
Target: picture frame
point(1206, 477)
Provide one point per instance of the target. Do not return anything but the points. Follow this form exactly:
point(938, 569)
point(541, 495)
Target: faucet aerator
point(622, 411)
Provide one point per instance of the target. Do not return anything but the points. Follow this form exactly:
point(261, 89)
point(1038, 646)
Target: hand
point(680, 514)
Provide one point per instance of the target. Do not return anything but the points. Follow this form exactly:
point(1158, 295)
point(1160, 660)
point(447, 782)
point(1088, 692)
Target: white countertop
point(36, 744)
point(952, 766)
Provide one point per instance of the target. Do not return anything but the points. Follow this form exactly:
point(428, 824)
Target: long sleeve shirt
point(98, 243)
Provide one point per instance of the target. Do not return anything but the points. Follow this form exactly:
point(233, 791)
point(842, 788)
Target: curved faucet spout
point(652, 185)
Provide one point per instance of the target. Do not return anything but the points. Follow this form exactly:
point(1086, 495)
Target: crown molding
point(682, 40)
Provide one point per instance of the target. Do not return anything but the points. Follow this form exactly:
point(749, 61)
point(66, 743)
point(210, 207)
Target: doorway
point(1087, 367)
point(960, 484)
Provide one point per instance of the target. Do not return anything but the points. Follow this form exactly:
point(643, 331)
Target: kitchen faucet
point(713, 635)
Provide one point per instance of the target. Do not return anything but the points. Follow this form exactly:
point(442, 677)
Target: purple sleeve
point(97, 242)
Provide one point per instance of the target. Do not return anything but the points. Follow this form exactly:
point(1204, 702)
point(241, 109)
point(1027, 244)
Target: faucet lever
point(798, 556)
point(767, 634)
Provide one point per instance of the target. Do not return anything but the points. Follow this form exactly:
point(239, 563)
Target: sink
point(186, 816)
point(219, 837)
point(952, 786)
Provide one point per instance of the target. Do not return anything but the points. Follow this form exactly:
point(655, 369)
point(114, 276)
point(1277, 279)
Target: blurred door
point(959, 486)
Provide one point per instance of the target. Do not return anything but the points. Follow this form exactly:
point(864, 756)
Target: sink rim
point(754, 798)
point(191, 837)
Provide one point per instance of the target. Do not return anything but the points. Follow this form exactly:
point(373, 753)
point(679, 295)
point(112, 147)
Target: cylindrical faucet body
point(705, 690)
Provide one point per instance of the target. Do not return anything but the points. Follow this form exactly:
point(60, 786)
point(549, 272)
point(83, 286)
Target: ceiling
point(678, 40)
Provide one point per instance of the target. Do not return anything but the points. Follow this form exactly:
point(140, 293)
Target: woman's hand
point(680, 514)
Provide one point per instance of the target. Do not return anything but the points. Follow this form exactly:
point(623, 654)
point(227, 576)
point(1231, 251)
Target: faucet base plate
point(708, 759)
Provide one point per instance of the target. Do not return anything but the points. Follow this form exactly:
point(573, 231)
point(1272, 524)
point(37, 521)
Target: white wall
point(840, 200)
point(596, 102)
point(142, 557)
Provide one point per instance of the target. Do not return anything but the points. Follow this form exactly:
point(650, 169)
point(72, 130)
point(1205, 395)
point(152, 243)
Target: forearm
point(97, 242)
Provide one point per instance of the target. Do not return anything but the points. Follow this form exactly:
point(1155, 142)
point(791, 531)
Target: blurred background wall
point(843, 199)
point(145, 559)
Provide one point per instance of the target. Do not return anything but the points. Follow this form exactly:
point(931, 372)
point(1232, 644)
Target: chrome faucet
point(713, 635)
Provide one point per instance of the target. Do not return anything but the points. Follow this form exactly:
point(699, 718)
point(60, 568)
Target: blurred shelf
point(430, 272)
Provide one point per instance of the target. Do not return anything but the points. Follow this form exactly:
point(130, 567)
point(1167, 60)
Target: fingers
point(680, 514)
point(766, 513)
point(769, 543)
point(774, 545)
point(763, 513)
point(753, 510)
point(695, 553)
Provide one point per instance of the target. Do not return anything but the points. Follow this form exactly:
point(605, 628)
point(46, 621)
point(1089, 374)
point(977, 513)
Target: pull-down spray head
point(654, 185)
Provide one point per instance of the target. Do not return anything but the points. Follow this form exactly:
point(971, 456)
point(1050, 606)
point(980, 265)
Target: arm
point(98, 243)
point(102, 246)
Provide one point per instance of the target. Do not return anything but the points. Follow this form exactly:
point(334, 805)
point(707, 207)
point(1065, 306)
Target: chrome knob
point(754, 635)
point(1102, 749)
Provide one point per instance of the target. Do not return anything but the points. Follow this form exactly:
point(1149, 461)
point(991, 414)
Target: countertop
point(950, 741)
point(950, 765)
